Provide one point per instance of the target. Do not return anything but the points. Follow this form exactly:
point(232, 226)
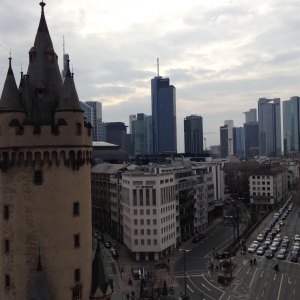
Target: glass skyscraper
point(193, 134)
point(269, 127)
point(291, 126)
point(93, 113)
point(163, 102)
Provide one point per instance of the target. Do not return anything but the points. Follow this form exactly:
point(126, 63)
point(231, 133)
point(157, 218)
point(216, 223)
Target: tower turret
point(45, 188)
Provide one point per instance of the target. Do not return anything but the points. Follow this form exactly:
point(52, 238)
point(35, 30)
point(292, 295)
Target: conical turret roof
point(10, 98)
point(69, 98)
point(39, 289)
point(43, 71)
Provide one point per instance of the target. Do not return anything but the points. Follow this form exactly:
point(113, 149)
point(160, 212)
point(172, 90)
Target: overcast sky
point(220, 55)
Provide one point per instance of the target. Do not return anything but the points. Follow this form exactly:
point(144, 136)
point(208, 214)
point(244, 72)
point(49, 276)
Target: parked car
point(273, 247)
point(114, 253)
point(221, 254)
point(297, 237)
point(283, 250)
point(260, 237)
point(196, 239)
point(252, 248)
point(100, 238)
point(294, 258)
point(108, 245)
point(96, 234)
point(201, 236)
point(280, 255)
point(268, 241)
point(261, 251)
point(269, 254)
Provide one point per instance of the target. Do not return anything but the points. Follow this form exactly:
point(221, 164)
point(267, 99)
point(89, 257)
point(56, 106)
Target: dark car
point(114, 253)
point(108, 245)
point(100, 238)
point(221, 254)
point(201, 236)
point(269, 254)
point(196, 239)
point(294, 258)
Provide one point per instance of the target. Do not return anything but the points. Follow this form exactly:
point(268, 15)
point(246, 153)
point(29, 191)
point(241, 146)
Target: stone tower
point(45, 201)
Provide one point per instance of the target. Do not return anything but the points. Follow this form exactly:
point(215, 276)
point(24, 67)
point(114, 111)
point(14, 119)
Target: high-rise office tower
point(251, 147)
point(238, 141)
point(93, 113)
point(163, 102)
point(131, 119)
point(291, 124)
point(65, 61)
point(45, 150)
point(115, 133)
point(141, 134)
point(251, 116)
point(193, 134)
point(226, 139)
point(97, 119)
point(269, 127)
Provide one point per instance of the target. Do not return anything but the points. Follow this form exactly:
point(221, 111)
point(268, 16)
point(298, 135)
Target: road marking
point(253, 277)
point(206, 287)
point(289, 281)
point(262, 272)
point(274, 277)
point(190, 288)
point(294, 292)
point(280, 287)
point(266, 283)
point(262, 295)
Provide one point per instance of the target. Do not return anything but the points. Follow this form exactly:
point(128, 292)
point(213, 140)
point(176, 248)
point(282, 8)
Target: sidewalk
point(121, 285)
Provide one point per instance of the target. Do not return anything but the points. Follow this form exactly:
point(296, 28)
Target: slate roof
point(100, 279)
point(39, 289)
point(10, 97)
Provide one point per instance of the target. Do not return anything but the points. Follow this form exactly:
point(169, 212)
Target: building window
point(7, 281)
point(142, 231)
point(136, 242)
point(77, 292)
point(258, 177)
point(135, 211)
point(40, 94)
point(76, 209)
point(263, 182)
point(148, 231)
point(142, 242)
point(148, 211)
point(78, 128)
point(154, 197)
point(148, 221)
point(155, 231)
point(254, 193)
point(147, 197)
point(154, 211)
point(155, 241)
point(141, 212)
point(253, 177)
point(134, 198)
point(38, 177)
point(6, 212)
point(268, 182)
point(154, 222)
point(77, 275)
point(6, 246)
point(148, 242)
point(135, 221)
point(76, 240)
point(141, 197)
point(253, 182)
point(142, 221)
point(136, 232)
point(32, 57)
point(50, 57)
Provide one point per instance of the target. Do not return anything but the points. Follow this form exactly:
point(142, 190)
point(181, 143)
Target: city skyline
point(219, 69)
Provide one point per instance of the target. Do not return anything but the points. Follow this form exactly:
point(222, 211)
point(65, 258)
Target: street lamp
point(184, 271)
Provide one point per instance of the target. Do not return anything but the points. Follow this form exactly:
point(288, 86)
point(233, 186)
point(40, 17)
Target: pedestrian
point(168, 261)
point(251, 262)
point(212, 267)
point(254, 261)
point(217, 268)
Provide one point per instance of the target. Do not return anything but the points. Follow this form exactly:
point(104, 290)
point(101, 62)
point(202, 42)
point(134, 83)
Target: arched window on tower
point(50, 57)
point(40, 94)
point(32, 55)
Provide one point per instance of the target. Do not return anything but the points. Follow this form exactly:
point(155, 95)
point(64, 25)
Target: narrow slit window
point(78, 128)
point(7, 281)
point(6, 246)
point(38, 177)
point(6, 212)
point(76, 241)
point(76, 208)
point(77, 275)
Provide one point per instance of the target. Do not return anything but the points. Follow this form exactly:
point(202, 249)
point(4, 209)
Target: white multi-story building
point(265, 189)
point(148, 214)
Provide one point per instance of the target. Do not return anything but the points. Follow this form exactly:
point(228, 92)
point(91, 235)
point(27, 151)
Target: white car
point(297, 237)
point(260, 237)
point(252, 248)
point(256, 243)
point(273, 247)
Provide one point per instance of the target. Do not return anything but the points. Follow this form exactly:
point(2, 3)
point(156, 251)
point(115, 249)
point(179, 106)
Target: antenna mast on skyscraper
point(158, 67)
point(64, 44)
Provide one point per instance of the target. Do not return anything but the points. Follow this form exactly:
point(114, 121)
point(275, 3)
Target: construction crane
point(205, 139)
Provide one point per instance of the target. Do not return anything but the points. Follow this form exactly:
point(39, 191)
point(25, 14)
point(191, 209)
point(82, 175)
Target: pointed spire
point(68, 74)
point(39, 289)
point(10, 98)
point(69, 99)
point(43, 25)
